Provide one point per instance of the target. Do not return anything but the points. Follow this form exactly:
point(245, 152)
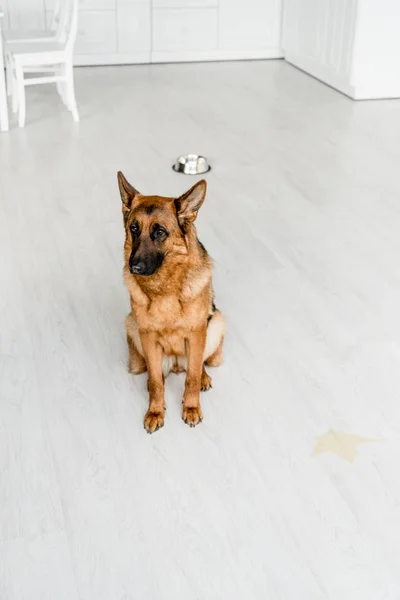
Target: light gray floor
point(303, 220)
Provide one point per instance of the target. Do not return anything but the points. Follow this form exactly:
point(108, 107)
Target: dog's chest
point(167, 313)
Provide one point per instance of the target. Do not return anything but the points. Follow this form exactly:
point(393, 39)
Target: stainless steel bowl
point(191, 164)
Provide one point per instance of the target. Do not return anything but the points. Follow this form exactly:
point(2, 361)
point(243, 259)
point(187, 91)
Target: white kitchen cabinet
point(134, 28)
point(109, 31)
point(352, 45)
point(25, 15)
point(142, 31)
point(86, 5)
point(216, 29)
point(251, 26)
point(113, 32)
point(97, 32)
point(184, 30)
point(185, 3)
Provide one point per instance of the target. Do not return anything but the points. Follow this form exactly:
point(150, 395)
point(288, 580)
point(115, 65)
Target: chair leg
point(59, 89)
point(70, 91)
point(4, 124)
point(14, 89)
point(61, 85)
point(19, 73)
point(9, 75)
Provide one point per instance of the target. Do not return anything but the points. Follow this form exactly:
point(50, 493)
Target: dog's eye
point(135, 230)
point(159, 233)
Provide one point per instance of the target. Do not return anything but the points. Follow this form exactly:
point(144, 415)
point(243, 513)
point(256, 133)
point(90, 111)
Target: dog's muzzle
point(137, 267)
point(145, 264)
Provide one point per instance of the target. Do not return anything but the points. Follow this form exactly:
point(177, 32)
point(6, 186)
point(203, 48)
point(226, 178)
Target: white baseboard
point(378, 90)
point(386, 86)
point(171, 57)
point(216, 55)
point(321, 72)
point(86, 60)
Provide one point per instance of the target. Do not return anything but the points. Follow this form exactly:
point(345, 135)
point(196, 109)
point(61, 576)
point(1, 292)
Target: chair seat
point(18, 48)
point(27, 35)
point(33, 54)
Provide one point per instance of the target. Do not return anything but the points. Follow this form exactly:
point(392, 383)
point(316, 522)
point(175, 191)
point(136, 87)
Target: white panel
point(185, 3)
point(97, 4)
point(97, 32)
point(184, 29)
point(311, 28)
point(49, 5)
point(4, 22)
point(26, 15)
point(134, 27)
point(290, 26)
point(318, 37)
point(249, 24)
point(340, 35)
point(84, 4)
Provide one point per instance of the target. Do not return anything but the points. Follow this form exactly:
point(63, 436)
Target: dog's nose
point(137, 268)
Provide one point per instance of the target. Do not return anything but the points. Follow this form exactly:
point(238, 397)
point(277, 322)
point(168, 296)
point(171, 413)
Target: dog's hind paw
point(206, 381)
point(136, 369)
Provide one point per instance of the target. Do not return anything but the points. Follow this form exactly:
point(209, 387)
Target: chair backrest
point(59, 5)
point(68, 24)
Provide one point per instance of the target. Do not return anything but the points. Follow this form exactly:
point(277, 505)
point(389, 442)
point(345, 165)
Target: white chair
point(3, 95)
point(30, 35)
point(53, 58)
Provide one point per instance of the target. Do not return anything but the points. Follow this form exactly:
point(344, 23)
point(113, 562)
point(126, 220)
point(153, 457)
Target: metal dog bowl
point(191, 164)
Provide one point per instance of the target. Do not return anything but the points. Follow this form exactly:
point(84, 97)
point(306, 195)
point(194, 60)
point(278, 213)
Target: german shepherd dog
point(173, 325)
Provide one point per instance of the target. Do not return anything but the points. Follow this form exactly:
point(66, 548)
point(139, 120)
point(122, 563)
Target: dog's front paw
point(192, 416)
point(153, 421)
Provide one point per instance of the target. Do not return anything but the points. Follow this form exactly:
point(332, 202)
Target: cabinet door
point(97, 4)
point(97, 32)
point(185, 3)
point(184, 30)
point(249, 24)
point(134, 26)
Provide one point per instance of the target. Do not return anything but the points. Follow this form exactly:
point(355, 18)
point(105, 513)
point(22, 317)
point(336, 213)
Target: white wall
point(376, 54)
point(353, 45)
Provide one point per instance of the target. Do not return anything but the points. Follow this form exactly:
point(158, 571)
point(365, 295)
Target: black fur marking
point(150, 209)
point(212, 313)
point(177, 205)
point(203, 250)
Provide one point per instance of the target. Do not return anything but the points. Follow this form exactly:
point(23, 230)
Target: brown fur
point(173, 324)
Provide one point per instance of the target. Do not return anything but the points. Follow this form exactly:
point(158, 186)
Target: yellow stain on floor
point(342, 444)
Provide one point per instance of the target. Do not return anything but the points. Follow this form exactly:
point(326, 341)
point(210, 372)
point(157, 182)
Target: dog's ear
point(188, 205)
point(127, 191)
